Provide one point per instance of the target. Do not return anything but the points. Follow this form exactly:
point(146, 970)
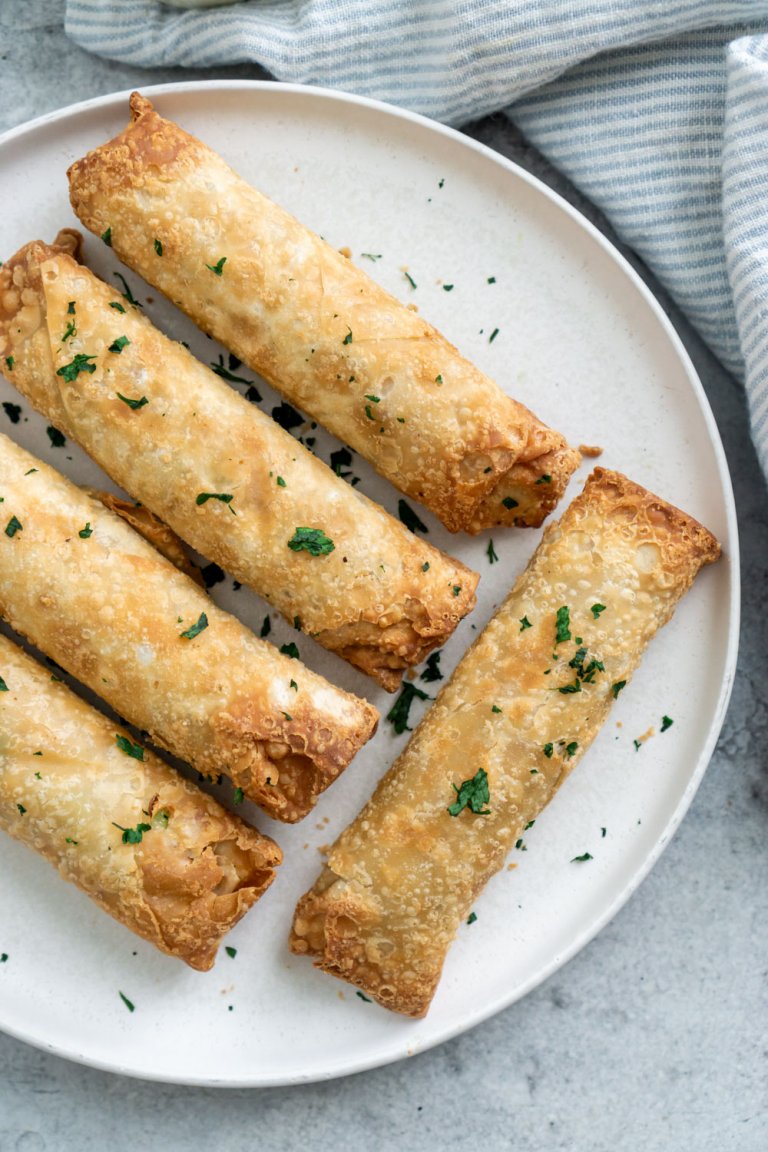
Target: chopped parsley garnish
point(3, 685)
point(131, 1007)
point(409, 517)
point(596, 609)
point(127, 294)
point(617, 687)
point(544, 479)
point(133, 835)
point(471, 918)
point(491, 553)
point(266, 627)
point(432, 673)
point(22, 809)
point(81, 363)
point(125, 745)
point(348, 338)
point(212, 574)
point(666, 722)
point(252, 394)
point(69, 840)
point(118, 344)
point(638, 745)
point(288, 716)
point(312, 540)
point(375, 399)
point(456, 589)
point(294, 685)
point(493, 336)
point(12, 411)
point(3, 957)
point(71, 308)
point(563, 625)
point(369, 413)
point(84, 533)
point(9, 362)
point(472, 794)
point(525, 623)
point(218, 267)
point(239, 796)
point(280, 482)
point(230, 951)
point(57, 439)
point(224, 497)
point(425, 566)
point(342, 458)
point(371, 255)
point(287, 416)
point(69, 331)
point(362, 996)
point(438, 379)
point(107, 236)
point(399, 713)
point(509, 502)
point(583, 858)
point(196, 629)
point(548, 750)
point(491, 280)
point(132, 403)
point(447, 287)
point(570, 749)
point(158, 246)
point(290, 650)
point(13, 526)
point(226, 373)
point(567, 689)
point(495, 708)
point(117, 307)
point(410, 279)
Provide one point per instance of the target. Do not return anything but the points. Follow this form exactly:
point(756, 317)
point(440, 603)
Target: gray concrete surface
point(653, 1038)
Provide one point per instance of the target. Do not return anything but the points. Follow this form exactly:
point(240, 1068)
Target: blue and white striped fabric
point(656, 109)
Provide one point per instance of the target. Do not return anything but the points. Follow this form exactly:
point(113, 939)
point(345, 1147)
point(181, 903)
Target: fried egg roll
point(227, 478)
point(93, 595)
point(515, 718)
point(151, 849)
point(318, 329)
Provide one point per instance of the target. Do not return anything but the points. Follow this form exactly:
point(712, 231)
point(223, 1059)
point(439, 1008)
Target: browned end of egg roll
point(159, 855)
point(318, 328)
point(167, 429)
point(97, 598)
point(517, 715)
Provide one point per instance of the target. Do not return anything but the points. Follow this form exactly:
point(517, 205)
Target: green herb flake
point(69, 331)
point(230, 951)
point(133, 835)
point(348, 338)
point(131, 1007)
point(432, 672)
point(369, 413)
point(371, 256)
point(266, 627)
point(3, 957)
point(638, 745)
point(117, 307)
point(106, 236)
point(569, 689)
point(12, 411)
point(118, 344)
point(158, 246)
point(491, 553)
point(544, 479)
point(438, 379)
point(456, 589)
point(228, 374)
point(548, 750)
point(218, 267)
point(570, 749)
point(290, 650)
point(363, 997)
point(134, 750)
point(491, 280)
point(13, 526)
point(81, 363)
point(196, 629)
point(447, 287)
point(9, 363)
point(409, 517)
point(596, 609)
point(472, 794)
point(84, 533)
point(69, 840)
point(280, 482)
point(410, 280)
point(425, 566)
point(493, 336)
point(375, 399)
point(127, 294)
point(3, 685)
point(666, 722)
point(223, 497)
point(134, 404)
point(525, 623)
point(57, 439)
point(510, 503)
point(312, 540)
point(563, 625)
point(495, 708)
point(617, 687)
point(583, 858)
point(238, 796)
point(294, 685)
point(22, 809)
point(399, 713)
point(342, 458)
point(472, 918)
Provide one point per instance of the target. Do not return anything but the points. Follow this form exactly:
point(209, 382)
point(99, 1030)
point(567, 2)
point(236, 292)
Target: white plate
point(580, 340)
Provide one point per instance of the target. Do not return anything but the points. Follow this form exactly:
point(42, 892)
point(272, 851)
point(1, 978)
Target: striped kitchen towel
point(656, 109)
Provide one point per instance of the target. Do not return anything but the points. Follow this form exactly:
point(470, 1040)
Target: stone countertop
point(653, 1037)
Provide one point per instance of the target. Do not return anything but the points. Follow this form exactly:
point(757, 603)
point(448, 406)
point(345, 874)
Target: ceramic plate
point(539, 300)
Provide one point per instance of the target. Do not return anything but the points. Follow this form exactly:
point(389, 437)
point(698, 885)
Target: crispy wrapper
point(318, 328)
point(151, 849)
point(167, 429)
point(405, 874)
point(99, 600)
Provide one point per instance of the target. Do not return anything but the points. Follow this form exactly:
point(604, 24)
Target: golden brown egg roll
point(318, 328)
point(515, 718)
point(93, 595)
point(151, 849)
point(171, 433)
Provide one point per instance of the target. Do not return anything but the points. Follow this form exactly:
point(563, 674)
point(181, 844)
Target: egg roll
point(151, 849)
point(318, 328)
point(227, 478)
point(514, 720)
point(98, 599)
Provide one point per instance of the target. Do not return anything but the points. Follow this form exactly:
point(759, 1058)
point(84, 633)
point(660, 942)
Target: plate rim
point(339, 1068)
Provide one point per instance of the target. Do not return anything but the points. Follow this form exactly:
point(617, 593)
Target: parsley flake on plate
point(399, 713)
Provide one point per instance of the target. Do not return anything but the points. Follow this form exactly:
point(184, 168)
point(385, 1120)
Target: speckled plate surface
point(581, 341)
